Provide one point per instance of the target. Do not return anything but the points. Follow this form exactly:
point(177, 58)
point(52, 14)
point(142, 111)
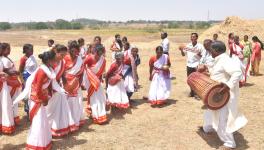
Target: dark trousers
point(189, 71)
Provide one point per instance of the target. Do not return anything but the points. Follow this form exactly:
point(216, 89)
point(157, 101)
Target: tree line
point(58, 24)
point(97, 24)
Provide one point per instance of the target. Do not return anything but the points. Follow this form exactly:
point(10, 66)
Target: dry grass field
point(174, 126)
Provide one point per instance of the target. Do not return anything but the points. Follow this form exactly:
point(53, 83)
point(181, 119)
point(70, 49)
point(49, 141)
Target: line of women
point(53, 91)
point(247, 54)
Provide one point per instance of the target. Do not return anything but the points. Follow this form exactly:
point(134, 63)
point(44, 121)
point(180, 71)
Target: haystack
point(236, 25)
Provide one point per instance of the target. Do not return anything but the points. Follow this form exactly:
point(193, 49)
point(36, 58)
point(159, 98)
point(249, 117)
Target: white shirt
point(194, 54)
point(207, 59)
point(165, 45)
point(1, 66)
point(83, 51)
point(31, 64)
point(226, 70)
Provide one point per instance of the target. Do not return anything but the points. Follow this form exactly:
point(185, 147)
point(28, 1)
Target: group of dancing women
point(53, 91)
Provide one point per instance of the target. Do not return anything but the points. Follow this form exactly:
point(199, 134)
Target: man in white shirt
point(165, 43)
point(207, 61)
point(207, 58)
point(226, 120)
point(194, 52)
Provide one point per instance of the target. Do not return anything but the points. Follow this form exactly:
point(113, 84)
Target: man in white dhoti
point(226, 120)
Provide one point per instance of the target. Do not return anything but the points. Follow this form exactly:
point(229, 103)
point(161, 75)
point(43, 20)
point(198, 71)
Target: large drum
point(208, 90)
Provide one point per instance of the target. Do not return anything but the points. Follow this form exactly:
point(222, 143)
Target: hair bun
point(40, 56)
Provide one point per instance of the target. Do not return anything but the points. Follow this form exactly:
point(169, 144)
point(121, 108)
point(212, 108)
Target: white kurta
point(227, 119)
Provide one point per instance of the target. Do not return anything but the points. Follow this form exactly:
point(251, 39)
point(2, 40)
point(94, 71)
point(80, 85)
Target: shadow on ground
point(213, 140)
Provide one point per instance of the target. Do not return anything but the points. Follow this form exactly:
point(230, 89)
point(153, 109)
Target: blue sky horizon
point(124, 10)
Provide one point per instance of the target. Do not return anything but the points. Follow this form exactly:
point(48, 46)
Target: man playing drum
point(226, 120)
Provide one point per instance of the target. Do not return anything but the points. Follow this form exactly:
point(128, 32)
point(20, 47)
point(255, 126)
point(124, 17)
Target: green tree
point(62, 24)
point(76, 25)
point(202, 25)
point(41, 25)
point(190, 26)
point(173, 25)
point(5, 25)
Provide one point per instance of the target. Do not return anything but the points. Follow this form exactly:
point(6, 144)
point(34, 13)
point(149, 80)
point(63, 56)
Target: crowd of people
point(52, 91)
point(231, 69)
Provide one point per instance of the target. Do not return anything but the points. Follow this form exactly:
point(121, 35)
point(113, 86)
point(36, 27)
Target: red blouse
point(112, 70)
point(38, 94)
point(23, 61)
point(153, 59)
point(69, 63)
point(89, 60)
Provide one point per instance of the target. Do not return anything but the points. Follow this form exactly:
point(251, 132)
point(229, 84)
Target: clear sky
point(123, 10)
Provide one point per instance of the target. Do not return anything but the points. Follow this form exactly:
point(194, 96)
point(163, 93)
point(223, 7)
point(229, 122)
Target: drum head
point(214, 100)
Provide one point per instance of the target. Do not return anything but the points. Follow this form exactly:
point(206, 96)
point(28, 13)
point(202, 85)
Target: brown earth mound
point(238, 26)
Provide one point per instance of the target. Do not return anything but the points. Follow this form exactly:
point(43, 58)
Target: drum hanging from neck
point(208, 90)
